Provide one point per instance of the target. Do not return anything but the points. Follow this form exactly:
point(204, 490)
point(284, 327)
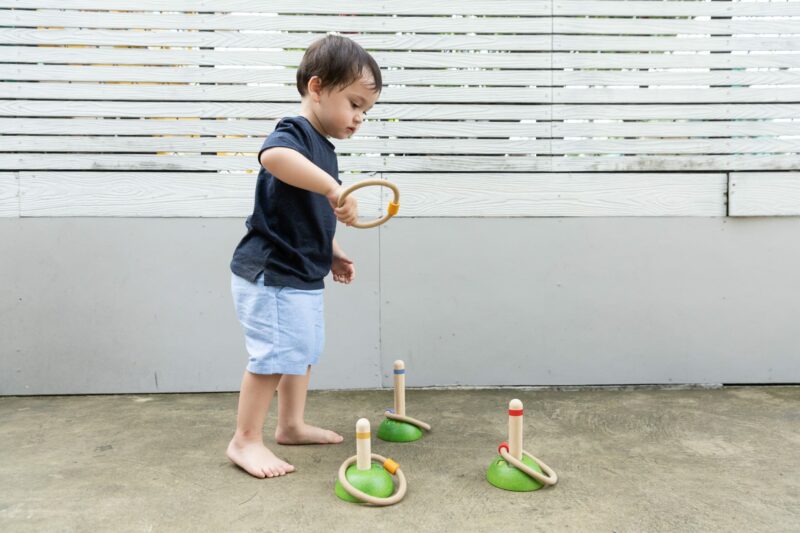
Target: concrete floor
point(628, 460)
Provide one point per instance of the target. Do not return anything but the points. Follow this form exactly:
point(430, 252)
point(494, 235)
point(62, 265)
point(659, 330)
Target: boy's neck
point(307, 112)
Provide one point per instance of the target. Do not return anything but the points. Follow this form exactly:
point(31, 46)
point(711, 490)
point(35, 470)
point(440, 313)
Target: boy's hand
point(348, 213)
point(343, 269)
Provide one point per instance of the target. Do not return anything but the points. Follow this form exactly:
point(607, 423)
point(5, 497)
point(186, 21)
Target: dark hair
point(338, 61)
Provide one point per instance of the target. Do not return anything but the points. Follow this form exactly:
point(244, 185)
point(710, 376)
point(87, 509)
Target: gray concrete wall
point(99, 305)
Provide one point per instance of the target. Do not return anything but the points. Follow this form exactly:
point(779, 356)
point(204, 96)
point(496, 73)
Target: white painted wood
point(671, 146)
point(241, 93)
point(492, 194)
point(9, 194)
point(352, 7)
point(667, 26)
point(587, 43)
point(534, 42)
point(408, 128)
point(274, 39)
point(519, 60)
point(55, 108)
point(86, 144)
point(172, 56)
point(96, 144)
point(371, 128)
point(673, 60)
point(248, 22)
point(180, 194)
point(242, 75)
point(196, 74)
point(674, 112)
point(231, 93)
point(448, 25)
point(136, 194)
point(722, 128)
point(675, 163)
point(764, 194)
point(431, 163)
point(679, 8)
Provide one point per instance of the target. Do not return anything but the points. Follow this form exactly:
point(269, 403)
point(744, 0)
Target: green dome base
point(508, 477)
point(375, 482)
point(396, 431)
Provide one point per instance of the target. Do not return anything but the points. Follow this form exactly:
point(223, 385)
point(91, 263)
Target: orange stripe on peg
point(363, 435)
point(393, 208)
point(390, 466)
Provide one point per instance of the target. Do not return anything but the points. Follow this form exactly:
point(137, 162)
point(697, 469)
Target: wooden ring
point(394, 205)
point(409, 420)
point(548, 478)
point(402, 486)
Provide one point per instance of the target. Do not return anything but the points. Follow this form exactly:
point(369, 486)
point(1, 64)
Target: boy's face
point(341, 111)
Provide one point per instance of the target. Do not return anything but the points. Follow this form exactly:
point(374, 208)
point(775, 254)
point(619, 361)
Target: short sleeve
point(288, 134)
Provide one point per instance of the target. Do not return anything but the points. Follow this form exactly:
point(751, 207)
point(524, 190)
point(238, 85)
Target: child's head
point(339, 82)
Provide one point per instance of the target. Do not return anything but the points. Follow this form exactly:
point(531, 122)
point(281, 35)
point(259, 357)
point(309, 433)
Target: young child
point(279, 265)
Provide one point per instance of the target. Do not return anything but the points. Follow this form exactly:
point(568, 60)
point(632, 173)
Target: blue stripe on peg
point(401, 371)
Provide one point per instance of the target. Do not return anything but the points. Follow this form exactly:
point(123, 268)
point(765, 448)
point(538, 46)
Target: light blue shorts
point(284, 328)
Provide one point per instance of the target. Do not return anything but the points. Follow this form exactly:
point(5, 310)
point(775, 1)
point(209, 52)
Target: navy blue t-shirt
point(290, 233)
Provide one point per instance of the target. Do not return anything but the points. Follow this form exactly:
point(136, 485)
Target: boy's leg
point(246, 448)
point(291, 406)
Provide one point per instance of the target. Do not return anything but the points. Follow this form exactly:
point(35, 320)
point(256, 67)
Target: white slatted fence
point(520, 108)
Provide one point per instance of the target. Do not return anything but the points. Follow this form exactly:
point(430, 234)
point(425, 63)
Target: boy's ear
point(314, 88)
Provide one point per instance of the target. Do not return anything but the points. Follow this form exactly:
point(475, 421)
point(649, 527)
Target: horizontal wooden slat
point(441, 195)
point(493, 195)
point(55, 108)
point(721, 128)
point(667, 26)
point(228, 93)
point(235, 39)
point(680, 8)
point(28, 72)
point(244, 93)
point(513, 60)
point(247, 22)
point(660, 163)
point(613, 163)
point(407, 128)
point(51, 108)
point(764, 194)
point(150, 194)
point(587, 43)
point(120, 56)
point(230, 39)
point(261, 128)
point(353, 7)
point(451, 26)
point(9, 194)
point(83, 144)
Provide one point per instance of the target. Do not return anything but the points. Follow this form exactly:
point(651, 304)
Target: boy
point(279, 265)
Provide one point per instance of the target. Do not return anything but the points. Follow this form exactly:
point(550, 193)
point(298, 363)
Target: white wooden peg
point(363, 445)
point(515, 429)
point(400, 387)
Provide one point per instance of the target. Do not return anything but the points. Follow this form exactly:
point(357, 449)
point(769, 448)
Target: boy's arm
point(337, 250)
point(291, 167)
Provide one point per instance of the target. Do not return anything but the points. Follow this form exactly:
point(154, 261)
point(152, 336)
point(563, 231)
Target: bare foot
point(306, 434)
point(256, 459)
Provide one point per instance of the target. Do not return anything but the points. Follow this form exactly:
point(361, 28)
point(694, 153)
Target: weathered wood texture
point(520, 108)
